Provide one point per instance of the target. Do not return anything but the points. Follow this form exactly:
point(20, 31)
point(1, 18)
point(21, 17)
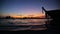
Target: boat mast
point(43, 9)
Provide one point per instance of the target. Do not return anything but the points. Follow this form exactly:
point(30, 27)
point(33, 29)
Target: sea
point(23, 24)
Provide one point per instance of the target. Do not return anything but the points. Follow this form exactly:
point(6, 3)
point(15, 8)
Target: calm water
point(19, 22)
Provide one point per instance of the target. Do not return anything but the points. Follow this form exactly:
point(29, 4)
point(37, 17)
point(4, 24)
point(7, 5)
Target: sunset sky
point(22, 8)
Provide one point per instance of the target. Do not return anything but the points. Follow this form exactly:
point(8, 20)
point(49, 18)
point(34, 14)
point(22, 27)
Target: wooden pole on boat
point(46, 15)
point(45, 12)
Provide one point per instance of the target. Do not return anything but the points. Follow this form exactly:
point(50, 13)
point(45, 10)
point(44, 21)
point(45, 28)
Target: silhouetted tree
point(7, 17)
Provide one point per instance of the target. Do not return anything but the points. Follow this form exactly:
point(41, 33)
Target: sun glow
point(33, 15)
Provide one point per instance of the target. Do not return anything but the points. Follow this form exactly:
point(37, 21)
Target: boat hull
point(55, 14)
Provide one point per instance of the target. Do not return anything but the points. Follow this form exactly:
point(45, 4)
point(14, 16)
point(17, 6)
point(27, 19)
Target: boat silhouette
point(55, 23)
point(54, 14)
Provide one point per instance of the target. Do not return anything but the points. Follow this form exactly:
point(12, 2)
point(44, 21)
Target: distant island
point(9, 17)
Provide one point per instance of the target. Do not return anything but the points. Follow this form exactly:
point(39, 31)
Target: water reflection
point(40, 22)
point(20, 21)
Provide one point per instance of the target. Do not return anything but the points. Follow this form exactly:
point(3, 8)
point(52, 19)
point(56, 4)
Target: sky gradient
point(22, 8)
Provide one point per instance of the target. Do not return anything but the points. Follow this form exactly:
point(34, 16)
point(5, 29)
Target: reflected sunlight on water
point(23, 22)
